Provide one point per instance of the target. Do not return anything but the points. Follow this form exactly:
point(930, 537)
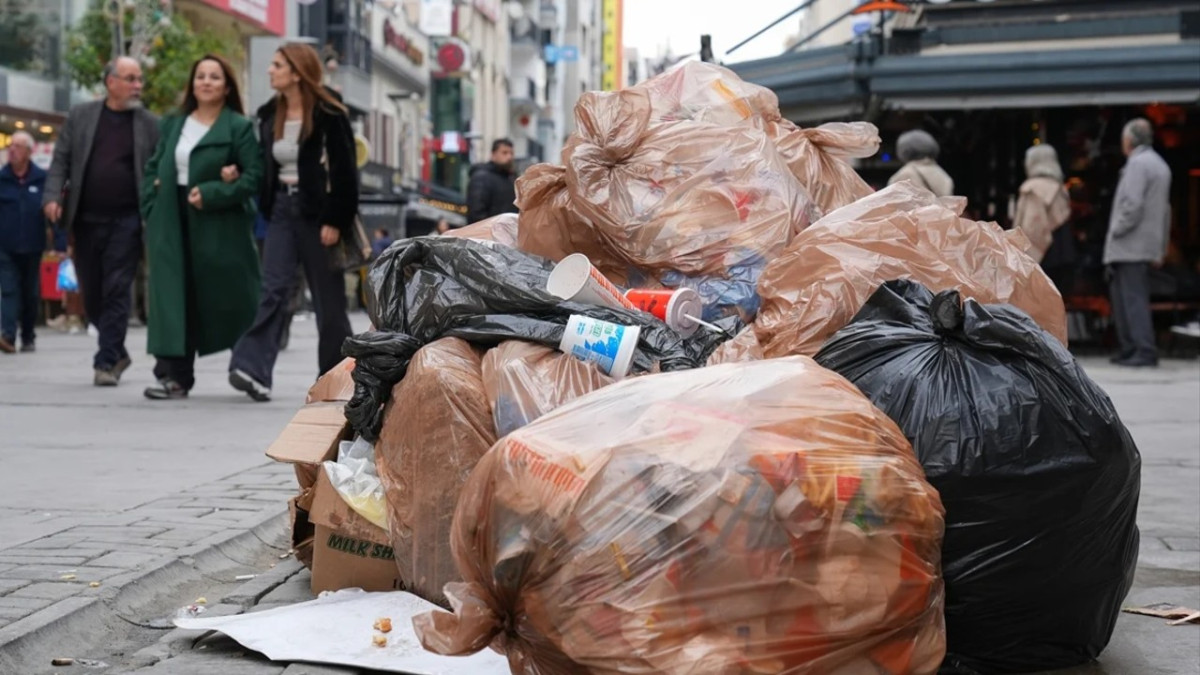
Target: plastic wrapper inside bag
point(1039, 477)
point(501, 229)
point(435, 430)
point(354, 477)
point(817, 157)
point(525, 381)
point(425, 288)
point(746, 518)
point(693, 197)
point(901, 232)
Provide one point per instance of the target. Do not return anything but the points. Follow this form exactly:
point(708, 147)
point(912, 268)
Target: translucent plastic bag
point(67, 281)
point(817, 157)
point(760, 517)
point(434, 431)
point(693, 197)
point(525, 381)
point(901, 232)
point(354, 477)
point(743, 347)
point(501, 229)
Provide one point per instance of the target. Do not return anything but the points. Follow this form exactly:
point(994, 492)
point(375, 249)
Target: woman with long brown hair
point(309, 198)
point(197, 204)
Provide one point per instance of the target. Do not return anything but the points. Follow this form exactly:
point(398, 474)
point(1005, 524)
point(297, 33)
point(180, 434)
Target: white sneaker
point(92, 331)
point(242, 381)
point(1191, 329)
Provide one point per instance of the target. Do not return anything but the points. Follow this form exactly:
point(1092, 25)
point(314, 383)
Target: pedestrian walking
point(22, 241)
point(919, 151)
point(198, 205)
point(1138, 231)
point(492, 189)
point(310, 198)
point(92, 187)
point(1043, 205)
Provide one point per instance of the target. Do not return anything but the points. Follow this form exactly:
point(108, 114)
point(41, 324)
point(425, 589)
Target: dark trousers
point(182, 369)
point(20, 292)
point(107, 251)
point(1129, 291)
point(293, 239)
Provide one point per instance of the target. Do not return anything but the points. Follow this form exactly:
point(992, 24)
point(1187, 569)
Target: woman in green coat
point(196, 201)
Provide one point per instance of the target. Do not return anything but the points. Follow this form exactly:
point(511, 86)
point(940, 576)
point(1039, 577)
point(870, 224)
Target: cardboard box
point(335, 385)
point(310, 438)
point(349, 551)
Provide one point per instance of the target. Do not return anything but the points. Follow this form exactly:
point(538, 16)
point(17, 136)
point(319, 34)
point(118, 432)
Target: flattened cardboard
point(335, 385)
point(348, 551)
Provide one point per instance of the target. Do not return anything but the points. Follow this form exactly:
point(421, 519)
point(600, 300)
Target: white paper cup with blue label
point(609, 345)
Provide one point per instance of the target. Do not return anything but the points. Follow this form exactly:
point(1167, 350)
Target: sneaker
point(1138, 362)
point(58, 323)
point(105, 378)
point(1188, 329)
point(7, 346)
point(238, 379)
point(28, 347)
point(74, 325)
point(121, 367)
point(166, 389)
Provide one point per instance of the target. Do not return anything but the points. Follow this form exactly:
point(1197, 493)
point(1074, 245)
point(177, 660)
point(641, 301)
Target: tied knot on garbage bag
point(1039, 477)
point(425, 288)
point(753, 517)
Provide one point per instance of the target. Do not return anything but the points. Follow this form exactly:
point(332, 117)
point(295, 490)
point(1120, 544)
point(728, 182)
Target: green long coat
point(224, 258)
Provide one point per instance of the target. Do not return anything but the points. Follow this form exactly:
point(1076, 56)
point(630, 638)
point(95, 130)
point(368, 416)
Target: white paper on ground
point(337, 628)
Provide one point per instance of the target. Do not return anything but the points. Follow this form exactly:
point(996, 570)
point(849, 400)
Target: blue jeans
point(20, 292)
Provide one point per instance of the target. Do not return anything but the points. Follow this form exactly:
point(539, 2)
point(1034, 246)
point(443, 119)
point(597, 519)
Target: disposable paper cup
point(574, 278)
point(673, 307)
point(609, 345)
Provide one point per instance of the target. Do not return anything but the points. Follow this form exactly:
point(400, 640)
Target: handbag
point(353, 250)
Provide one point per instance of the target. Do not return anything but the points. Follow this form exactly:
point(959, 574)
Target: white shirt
point(192, 132)
point(287, 151)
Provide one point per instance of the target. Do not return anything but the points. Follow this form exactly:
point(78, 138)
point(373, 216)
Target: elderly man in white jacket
point(1138, 231)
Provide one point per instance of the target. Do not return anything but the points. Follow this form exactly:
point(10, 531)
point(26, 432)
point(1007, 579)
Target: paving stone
point(48, 558)
point(10, 585)
point(30, 605)
point(48, 591)
point(55, 573)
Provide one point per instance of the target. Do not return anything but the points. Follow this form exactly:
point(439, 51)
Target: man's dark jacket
point(492, 191)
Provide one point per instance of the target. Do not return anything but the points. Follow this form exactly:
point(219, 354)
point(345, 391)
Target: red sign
point(402, 44)
point(270, 15)
point(451, 57)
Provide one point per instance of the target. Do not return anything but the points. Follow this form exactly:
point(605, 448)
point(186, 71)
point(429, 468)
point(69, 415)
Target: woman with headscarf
point(1042, 203)
point(918, 150)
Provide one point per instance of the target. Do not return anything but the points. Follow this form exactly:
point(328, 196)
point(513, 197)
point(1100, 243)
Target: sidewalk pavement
point(106, 495)
point(1161, 407)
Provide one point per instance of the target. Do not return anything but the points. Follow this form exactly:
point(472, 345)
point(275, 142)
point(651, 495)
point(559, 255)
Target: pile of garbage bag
point(590, 487)
point(1039, 478)
point(753, 517)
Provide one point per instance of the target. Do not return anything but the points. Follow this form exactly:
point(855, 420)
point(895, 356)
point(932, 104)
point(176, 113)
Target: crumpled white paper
point(336, 628)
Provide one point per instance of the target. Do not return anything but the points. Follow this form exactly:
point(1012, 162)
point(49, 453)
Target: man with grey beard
point(92, 188)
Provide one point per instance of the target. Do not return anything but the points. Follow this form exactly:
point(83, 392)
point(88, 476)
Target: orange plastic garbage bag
point(524, 381)
point(437, 426)
point(902, 232)
point(756, 517)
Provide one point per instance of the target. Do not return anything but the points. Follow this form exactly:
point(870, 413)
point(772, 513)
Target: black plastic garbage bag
point(1039, 477)
point(426, 288)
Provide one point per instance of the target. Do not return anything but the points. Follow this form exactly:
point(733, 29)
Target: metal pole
point(776, 22)
point(118, 29)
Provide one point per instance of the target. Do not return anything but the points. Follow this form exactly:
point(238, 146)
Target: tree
point(22, 35)
point(163, 40)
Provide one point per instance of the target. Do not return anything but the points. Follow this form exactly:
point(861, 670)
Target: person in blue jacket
point(22, 241)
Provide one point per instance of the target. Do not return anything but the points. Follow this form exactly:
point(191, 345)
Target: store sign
point(453, 55)
point(610, 47)
point(437, 18)
point(445, 206)
point(402, 44)
point(270, 15)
